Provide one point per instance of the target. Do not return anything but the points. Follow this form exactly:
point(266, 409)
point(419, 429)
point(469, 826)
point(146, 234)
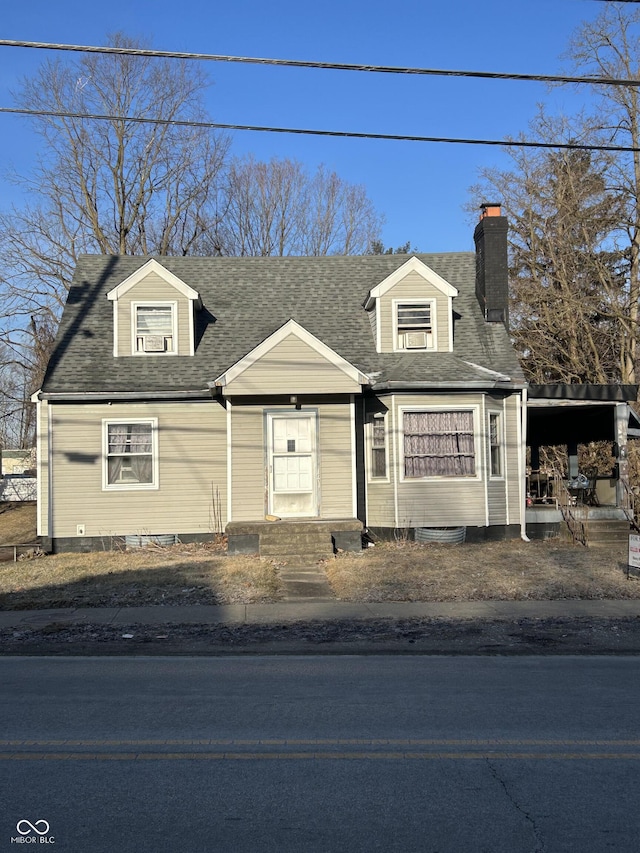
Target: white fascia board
point(152, 266)
point(116, 328)
point(291, 328)
point(412, 265)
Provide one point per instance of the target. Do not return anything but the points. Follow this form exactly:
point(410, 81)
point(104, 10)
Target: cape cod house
point(190, 396)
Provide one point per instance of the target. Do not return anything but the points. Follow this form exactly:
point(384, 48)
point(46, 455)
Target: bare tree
point(568, 276)
point(609, 46)
point(113, 186)
point(279, 208)
point(120, 173)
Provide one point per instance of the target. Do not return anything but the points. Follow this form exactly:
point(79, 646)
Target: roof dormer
point(412, 310)
point(153, 313)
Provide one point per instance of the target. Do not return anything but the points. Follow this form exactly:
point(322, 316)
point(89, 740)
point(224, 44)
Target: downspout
point(229, 461)
point(396, 472)
point(522, 463)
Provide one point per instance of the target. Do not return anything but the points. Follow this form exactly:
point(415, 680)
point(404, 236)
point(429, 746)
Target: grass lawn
point(17, 523)
point(181, 574)
point(203, 574)
point(514, 570)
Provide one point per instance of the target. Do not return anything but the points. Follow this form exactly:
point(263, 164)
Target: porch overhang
point(564, 414)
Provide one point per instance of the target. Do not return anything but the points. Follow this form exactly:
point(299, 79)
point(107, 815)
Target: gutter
point(398, 385)
point(99, 396)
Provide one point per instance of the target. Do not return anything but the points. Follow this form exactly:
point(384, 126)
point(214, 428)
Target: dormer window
point(155, 328)
point(414, 325)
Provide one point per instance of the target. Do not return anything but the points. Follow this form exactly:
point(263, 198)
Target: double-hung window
point(439, 444)
point(154, 328)
point(130, 454)
point(495, 444)
point(378, 447)
point(415, 325)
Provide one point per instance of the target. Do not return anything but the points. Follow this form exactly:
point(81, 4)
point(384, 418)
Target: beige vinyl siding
point(248, 466)
point(152, 288)
point(444, 501)
point(292, 367)
point(43, 468)
point(413, 287)
point(336, 455)
point(380, 504)
point(249, 455)
point(191, 460)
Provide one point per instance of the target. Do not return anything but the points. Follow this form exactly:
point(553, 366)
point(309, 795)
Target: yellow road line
point(433, 742)
point(319, 756)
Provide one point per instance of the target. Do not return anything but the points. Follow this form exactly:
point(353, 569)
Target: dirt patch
point(377, 636)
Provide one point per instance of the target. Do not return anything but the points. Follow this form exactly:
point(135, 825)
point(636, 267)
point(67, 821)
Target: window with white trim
point(154, 328)
point(439, 444)
point(495, 444)
point(378, 447)
point(414, 325)
point(130, 457)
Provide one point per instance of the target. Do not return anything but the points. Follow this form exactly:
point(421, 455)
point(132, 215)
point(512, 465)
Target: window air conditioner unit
point(154, 343)
point(416, 340)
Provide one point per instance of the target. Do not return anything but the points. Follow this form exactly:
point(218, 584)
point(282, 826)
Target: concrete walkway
point(305, 583)
point(307, 611)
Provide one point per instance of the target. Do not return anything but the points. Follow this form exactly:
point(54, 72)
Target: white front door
point(292, 465)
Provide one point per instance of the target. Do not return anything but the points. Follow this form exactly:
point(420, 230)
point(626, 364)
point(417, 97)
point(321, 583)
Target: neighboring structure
point(194, 395)
point(18, 481)
point(18, 461)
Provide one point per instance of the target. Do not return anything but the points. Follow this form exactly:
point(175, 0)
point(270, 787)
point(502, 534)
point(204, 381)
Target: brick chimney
point(492, 277)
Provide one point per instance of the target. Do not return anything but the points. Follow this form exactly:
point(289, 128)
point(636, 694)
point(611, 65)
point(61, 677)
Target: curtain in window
point(130, 447)
point(117, 443)
point(439, 444)
point(141, 444)
point(153, 320)
point(378, 448)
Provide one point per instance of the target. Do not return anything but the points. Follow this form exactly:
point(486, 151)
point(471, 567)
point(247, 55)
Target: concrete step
point(290, 554)
point(281, 548)
point(270, 537)
point(295, 548)
point(607, 531)
point(311, 575)
point(298, 560)
point(324, 526)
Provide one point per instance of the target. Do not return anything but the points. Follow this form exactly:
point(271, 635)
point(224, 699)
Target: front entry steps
point(603, 525)
point(300, 548)
point(294, 542)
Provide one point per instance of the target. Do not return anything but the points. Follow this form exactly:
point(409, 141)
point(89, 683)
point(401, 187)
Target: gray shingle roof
point(247, 299)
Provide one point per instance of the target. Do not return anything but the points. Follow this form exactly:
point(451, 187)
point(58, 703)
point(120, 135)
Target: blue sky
point(420, 188)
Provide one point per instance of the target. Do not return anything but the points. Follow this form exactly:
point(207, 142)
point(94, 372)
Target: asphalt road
point(327, 754)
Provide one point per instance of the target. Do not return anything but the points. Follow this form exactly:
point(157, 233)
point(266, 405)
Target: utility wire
point(520, 143)
point(334, 66)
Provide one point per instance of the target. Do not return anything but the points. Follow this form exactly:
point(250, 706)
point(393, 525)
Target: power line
point(333, 66)
point(345, 134)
